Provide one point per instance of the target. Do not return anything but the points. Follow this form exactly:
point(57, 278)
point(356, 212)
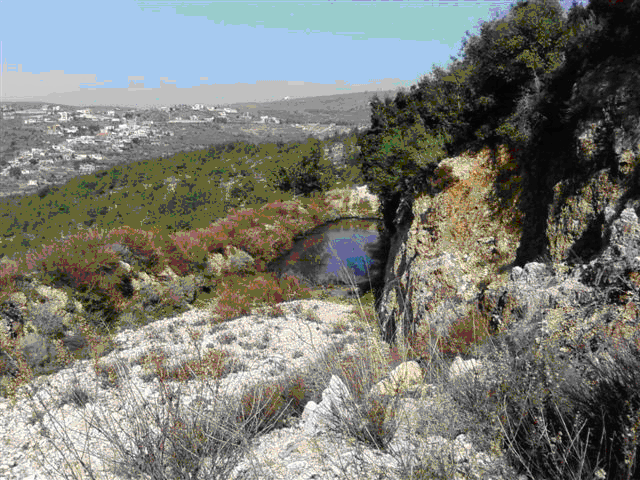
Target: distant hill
point(347, 107)
point(170, 94)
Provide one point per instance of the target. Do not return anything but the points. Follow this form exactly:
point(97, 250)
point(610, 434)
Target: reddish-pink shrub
point(83, 263)
point(8, 274)
point(464, 333)
point(239, 294)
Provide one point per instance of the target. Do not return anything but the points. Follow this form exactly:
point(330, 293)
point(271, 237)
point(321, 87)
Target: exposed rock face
point(577, 221)
point(458, 255)
point(455, 242)
point(573, 308)
point(524, 303)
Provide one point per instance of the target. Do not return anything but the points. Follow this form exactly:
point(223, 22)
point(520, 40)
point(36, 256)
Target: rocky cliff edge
point(457, 261)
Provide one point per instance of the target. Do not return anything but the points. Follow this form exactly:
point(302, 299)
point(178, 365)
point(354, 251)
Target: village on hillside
point(80, 141)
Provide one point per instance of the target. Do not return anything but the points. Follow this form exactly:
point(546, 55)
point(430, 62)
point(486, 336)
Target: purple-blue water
point(338, 252)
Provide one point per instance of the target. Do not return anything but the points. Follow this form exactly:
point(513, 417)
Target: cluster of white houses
point(116, 133)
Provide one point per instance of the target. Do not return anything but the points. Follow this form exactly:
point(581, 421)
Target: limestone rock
point(592, 142)
point(622, 253)
point(460, 368)
point(406, 423)
point(234, 260)
point(575, 224)
point(419, 289)
point(320, 443)
point(544, 301)
point(327, 414)
point(455, 245)
point(524, 304)
point(402, 379)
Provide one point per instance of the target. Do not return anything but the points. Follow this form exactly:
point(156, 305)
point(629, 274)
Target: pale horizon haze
point(164, 52)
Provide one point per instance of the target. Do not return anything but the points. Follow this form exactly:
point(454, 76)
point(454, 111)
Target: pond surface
point(340, 252)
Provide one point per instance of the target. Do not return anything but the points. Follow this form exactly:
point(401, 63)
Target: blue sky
point(62, 46)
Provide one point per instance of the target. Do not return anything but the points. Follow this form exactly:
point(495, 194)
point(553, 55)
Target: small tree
point(305, 169)
point(401, 156)
point(400, 163)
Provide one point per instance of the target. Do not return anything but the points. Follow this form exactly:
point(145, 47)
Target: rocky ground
point(261, 349)
point(76, 414)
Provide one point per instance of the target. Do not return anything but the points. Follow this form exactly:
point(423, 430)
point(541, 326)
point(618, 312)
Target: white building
point(268, 119)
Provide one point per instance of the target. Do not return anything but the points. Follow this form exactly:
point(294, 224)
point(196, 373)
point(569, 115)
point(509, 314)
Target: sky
point(217, 52)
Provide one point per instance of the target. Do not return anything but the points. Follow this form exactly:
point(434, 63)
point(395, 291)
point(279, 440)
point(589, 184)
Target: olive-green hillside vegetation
point(186, 191)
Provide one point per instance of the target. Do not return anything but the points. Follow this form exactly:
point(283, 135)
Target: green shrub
point(398, 164)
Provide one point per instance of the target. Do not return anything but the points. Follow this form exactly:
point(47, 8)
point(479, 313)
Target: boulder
point(402, 379)
point(233, 260)
point(461, 368)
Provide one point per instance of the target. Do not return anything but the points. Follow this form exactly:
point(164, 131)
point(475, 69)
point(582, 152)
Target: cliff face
point(457, 259)
point(458, 241)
